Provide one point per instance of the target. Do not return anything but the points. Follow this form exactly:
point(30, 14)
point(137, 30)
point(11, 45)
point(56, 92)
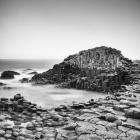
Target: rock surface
point(98, 69)
point(9, 74)
point(34, 72)
point(2, 84)
point(114, 117)
point(24, 80)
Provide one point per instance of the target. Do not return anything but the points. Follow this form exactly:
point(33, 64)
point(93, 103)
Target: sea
point(47, 96)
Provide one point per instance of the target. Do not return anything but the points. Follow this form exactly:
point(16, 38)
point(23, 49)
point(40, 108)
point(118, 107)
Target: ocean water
point(43, 95)
point(14, 64)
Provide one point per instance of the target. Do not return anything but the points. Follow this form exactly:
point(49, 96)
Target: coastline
point(114, 117)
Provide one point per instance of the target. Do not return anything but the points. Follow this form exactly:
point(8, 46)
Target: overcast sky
point(36, 29)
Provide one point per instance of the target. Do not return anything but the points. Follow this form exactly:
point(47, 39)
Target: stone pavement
point(117, 117)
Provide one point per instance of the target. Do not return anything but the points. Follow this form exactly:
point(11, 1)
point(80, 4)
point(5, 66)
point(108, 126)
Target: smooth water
point(43, 95)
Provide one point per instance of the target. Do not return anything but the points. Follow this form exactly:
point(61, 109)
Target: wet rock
point(24, 80)
point(90, 137)
point(123, 129)
point(2, 133)
point(66, 134)
point(110, 117)
point(9, 74)
point(70, 126)
point(62, 108)
point(77, 106)
point(102, 122)
point(39, 129)
point(15, 133)
point(49, 133)
point(17, 97)
point(84, 130)
point(91, 102)
point(7, 88)
point(30, 126)
point(8, 125)
point(27, 134)
point(132, 133)
point(20, 138)
point(8, 136)
point(133, 113)
point(111, 135)
point(2, 84)
point(120, 107)
point(4, 99)
point(19, 108)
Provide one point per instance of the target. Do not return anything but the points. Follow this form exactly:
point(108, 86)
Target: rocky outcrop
point(2, 84)
point(97, 69)
point(24, 80)
point(9, 74)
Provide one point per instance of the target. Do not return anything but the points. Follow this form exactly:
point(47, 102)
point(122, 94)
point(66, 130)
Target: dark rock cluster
point(24, 80)
point(9, 74)
point(17, 104)
point(2, 84)
point(99, 69)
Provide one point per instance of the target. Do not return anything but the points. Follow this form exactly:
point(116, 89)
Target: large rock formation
point(97, 69)
point(9, 74)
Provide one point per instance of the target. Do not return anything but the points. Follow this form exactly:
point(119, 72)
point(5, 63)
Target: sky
point(55, 29)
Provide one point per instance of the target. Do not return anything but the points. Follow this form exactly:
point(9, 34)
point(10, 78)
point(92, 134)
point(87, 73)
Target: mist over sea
point(16, 64)
point(43, 95)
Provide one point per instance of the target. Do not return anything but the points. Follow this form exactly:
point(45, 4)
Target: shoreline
point(115, 117)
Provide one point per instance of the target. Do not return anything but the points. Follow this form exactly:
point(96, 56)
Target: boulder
point(110, 117)
point(2, 84)
point(133, 113)
point(17, 97)
point(2, 133)
point(78, 106)
point(70, 126)
point(7, 88)
point(9, 74)
point(30, 126)
point(24, 80)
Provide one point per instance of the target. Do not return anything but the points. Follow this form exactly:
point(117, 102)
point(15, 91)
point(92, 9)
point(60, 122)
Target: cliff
point(98, 69)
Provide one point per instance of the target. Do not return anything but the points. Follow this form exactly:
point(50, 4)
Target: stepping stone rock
point(20, 138)
point(133, 113)
point(84, 130)
point(2, 132)
point(70, 126)
point(30, 126)
point(110, 117)
point(90, 137)
point(120, 107)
